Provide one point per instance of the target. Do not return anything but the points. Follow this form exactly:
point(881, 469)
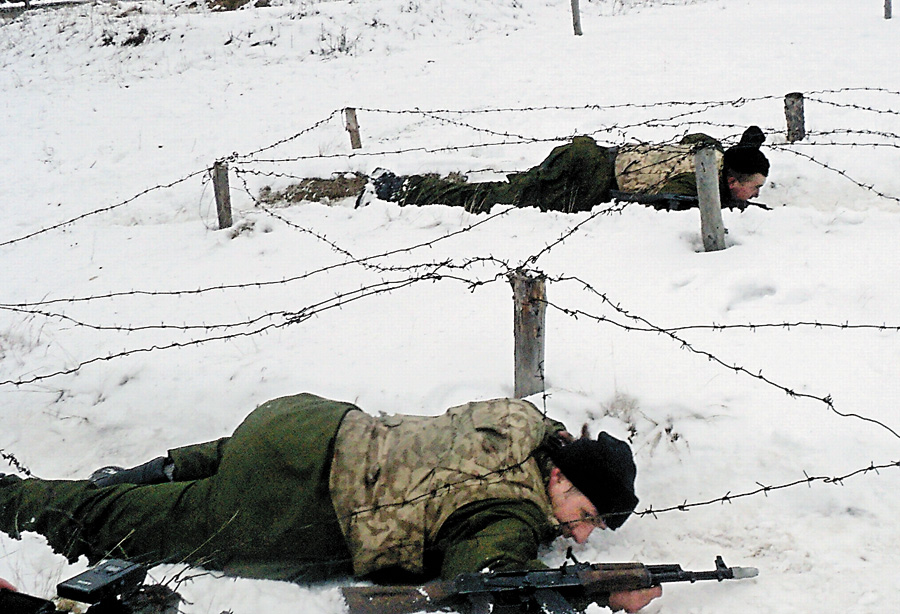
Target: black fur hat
point(745, 157)
point(752, 137)
point(603, 470)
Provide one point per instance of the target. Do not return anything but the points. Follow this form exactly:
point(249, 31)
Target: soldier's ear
point(556, 476)
point(559, 480)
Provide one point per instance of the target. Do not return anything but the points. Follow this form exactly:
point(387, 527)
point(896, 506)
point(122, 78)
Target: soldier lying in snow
point(581, 174)
point(308, 488)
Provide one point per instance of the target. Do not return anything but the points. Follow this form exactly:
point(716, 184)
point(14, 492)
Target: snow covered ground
point(139, 326)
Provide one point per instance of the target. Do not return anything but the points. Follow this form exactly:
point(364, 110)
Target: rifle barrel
point(674, 573)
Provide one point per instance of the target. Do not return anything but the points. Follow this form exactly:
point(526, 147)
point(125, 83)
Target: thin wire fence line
point(385, 286)
point(766, 489)
point(866, 186)
point(362, 261)
point(106, 209)
point(827, 400)
point(287, 317)
point(236, 157)
point(649, 512)
point(434, 269)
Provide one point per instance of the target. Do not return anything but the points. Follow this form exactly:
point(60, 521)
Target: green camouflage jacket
point(395, 480)
point(662, 168)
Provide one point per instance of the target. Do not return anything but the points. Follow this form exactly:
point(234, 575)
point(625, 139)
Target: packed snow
point(130, 323)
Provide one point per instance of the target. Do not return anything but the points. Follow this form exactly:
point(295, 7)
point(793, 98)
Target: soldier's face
point(576, 514)
point(745, 190)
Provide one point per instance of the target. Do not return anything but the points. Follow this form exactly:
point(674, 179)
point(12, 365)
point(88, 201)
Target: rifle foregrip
point(615, 577)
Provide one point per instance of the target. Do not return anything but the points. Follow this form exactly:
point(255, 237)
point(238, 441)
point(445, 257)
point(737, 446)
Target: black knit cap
point(604, 471)
point(745, 157)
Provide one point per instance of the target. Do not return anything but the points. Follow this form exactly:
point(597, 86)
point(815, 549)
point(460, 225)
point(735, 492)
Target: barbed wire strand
point(826, 399)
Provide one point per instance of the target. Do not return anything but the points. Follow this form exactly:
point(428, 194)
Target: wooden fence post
point(887, 9)
point(352, 127)
point(711, 226)
point(223, 193)
point(530, 306)
point(576, 18)
point(793, 113)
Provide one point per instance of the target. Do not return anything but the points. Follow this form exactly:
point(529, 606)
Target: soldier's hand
point(632, 601)
point(7, 585)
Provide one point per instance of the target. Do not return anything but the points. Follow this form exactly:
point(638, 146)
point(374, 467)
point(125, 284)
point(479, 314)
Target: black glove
point(156, 471)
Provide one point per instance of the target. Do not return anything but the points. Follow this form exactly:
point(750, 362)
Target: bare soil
point(316, 189)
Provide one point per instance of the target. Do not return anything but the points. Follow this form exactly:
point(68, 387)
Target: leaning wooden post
point(530, 305)
point(711, 226)
point(887, 9)
point(576, 18)
point(352, 127)
point(793, 113)
point(223, 193)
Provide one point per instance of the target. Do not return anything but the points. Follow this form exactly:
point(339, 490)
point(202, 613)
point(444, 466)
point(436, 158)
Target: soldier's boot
point(384, 185)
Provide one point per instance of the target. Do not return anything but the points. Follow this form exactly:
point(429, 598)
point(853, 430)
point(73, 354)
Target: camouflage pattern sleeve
point(553, 426)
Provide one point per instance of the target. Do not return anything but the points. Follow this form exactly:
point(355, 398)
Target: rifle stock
point(399, 599)
point(615, 577)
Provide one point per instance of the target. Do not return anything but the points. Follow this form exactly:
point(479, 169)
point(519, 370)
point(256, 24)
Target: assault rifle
point(675, 202)
point(562, 590)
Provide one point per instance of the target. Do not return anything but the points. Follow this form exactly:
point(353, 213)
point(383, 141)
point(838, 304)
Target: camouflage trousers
point(255, 504)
